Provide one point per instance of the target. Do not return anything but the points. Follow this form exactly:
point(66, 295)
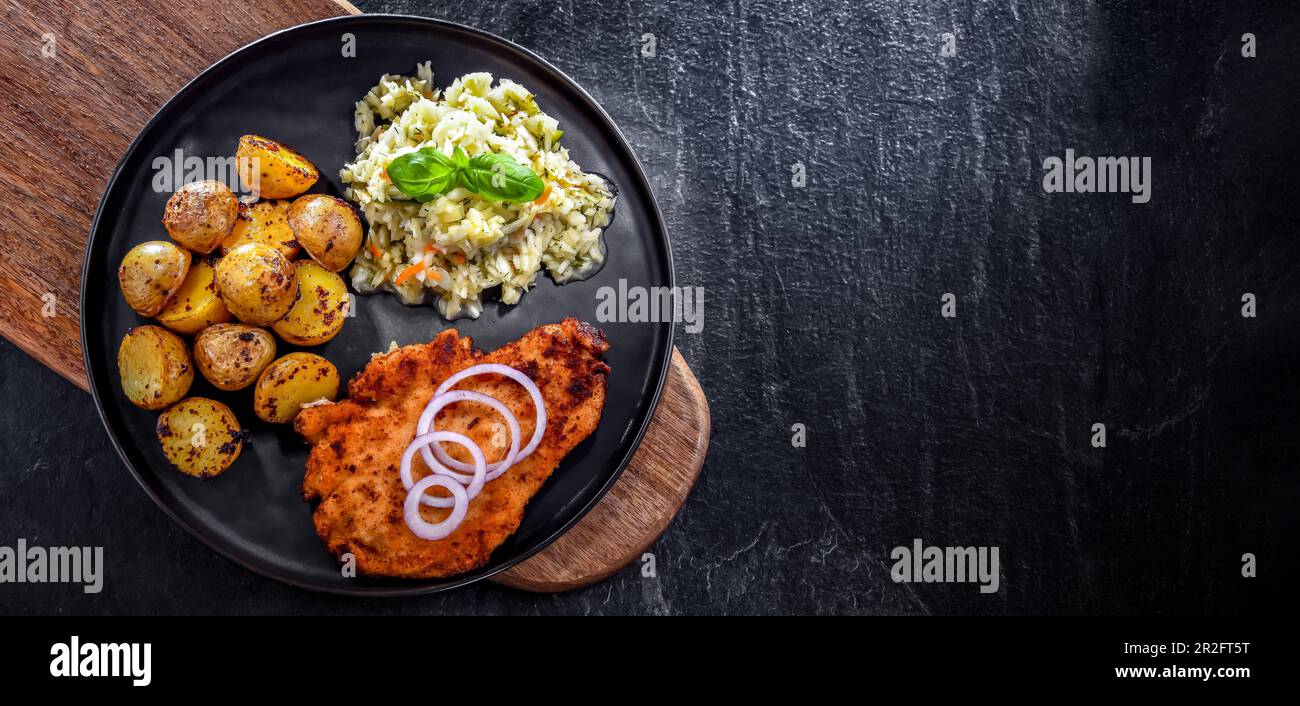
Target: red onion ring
point(483, 369)
point(445, 477)
point(430, 530)
point(480, 466)
point(437, 403)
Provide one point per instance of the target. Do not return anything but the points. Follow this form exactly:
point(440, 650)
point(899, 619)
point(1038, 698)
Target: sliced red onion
point(437, 403)
point(423, 441)
point(507, 371)
point(445, 477)
point(435, 530)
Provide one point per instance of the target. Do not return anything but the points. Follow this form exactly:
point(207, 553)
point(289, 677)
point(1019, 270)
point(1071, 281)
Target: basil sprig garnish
point(427, 173)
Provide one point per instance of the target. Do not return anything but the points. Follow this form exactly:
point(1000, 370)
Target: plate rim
point(201, 533)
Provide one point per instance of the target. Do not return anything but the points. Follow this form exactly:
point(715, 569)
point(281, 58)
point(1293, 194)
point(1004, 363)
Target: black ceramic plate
point(297, 87)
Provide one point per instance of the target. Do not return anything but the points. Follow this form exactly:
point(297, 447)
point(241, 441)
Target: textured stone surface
point(822, 308)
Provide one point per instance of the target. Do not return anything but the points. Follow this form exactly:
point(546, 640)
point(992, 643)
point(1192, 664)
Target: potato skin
point(201, 214)
point(154, 367)
point(292, 381)
point(232, 356)
point(196, 304)
point(273, 170)
point(257, 283)
point(263, 222)
point(321, 309)
point(327, 228)
point(150, 275)
point(200, 437)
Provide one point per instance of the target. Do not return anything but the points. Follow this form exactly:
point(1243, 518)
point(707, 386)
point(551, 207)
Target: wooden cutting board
point(60, 53)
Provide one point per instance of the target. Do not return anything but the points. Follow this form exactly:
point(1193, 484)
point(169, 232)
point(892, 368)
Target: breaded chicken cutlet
point(357, 444)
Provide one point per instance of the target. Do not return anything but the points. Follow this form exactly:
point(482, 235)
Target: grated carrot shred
point(409, 272)
point(546, 194)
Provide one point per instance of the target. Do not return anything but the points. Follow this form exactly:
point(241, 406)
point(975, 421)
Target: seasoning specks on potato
point(151, 274)
point(327, 228)
point(263, 222)
point(321, 309)
point(291, 382)
point(231, 356)
point(196, 304)
point(200, 437)
point(201, 214)
point(154, 366)
point(257, 283)
point(273, 170)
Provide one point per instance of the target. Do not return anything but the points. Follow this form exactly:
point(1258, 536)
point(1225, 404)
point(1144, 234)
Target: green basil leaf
point(463, 178)
point(440, 185)
point(499, 177)
point(424, 174)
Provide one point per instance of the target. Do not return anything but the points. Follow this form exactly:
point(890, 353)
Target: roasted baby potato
point(154, 366)
point(328, 228)
point(291, 382)
point(231, 356)
point(263, 222)
point(257, 283)
point(200, 437)
point(201, 214)
point(151, 274)
point(197, 304)
point(321, 308)
point(273, 170)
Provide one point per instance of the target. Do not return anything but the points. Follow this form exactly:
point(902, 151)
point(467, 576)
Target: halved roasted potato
point(231, 356)
point(273, 170)
point(151, 274)
point(291, 382)
point(321, 308)
point(263, 222)
point(197, 303)
point(327, 228)
point(201, 214)
point(154, 366)
point(257, 283)
point(200, 437)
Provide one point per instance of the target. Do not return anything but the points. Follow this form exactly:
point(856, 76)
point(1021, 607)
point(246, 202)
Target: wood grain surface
point(110, 83)
point(79, 81)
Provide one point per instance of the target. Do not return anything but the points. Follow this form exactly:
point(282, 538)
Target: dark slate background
point(822, 308)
